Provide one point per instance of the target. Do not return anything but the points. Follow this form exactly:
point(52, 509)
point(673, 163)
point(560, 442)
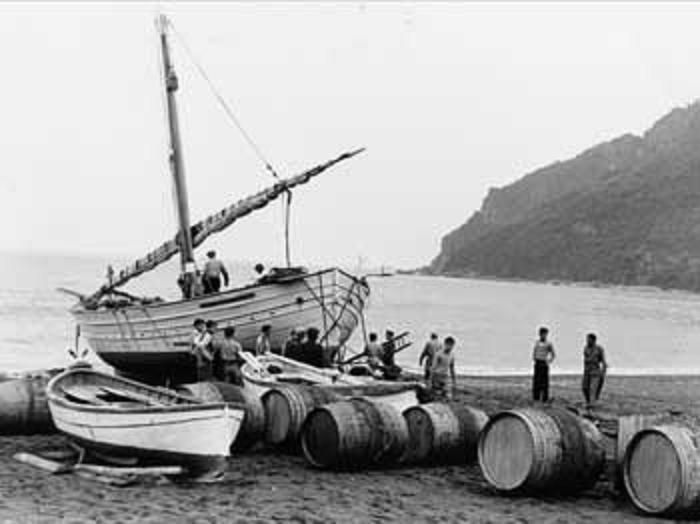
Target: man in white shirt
point(201, 339)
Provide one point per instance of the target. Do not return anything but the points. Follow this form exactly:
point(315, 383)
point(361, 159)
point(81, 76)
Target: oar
point(72, 293)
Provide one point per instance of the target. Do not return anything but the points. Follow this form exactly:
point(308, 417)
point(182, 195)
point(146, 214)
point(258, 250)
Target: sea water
point(494, 322)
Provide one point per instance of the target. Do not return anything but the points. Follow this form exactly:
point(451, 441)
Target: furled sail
point(215, 223)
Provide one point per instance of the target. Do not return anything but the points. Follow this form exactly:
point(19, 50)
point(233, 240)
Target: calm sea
point(642, 330)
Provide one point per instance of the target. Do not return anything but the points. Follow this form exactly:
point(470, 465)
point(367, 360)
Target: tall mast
point(177, 166)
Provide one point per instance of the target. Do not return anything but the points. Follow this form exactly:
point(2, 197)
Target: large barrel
point(253, 426)
point(627, 427)
point(286, 408)
point(443, 433)
point(356, 433)
point(662, 471)
point(536, 451)
point(24, 408)
point(389, 436)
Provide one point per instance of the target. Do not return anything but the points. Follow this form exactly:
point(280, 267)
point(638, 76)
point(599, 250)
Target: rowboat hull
point(152, 341)
point(401, 395)
point(193, 434)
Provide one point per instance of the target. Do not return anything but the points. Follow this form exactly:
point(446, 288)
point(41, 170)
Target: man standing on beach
point(201, 340)
point(262, 343)
point(432, 346)
point(542, 355)
point(231, 358)
point(442, 369)
point(594, 369)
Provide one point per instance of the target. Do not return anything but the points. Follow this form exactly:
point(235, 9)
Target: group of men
point(218, 354)
point(381, 357)
point(206, 281)
point(594, 368)
point(304, 346)
point(438, 361)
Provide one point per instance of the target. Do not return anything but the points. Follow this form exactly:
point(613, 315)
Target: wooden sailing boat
point(151, 338)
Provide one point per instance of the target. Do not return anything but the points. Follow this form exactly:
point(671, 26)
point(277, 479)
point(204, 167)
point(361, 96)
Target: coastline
point(268, 486)
point(642, 288)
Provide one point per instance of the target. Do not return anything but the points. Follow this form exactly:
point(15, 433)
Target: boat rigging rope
point(222, 101)
point(237, 123)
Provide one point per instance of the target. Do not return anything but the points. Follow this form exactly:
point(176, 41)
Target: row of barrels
point(360, 432)
point(527, 450)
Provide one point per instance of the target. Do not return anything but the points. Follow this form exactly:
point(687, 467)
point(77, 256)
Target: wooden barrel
point(253, 426)
point(389, 435)
point(662, 471)
point(540, 451)
point(627, 427)
point(24, 407)
point(471, 422)
point(443, 433)
point(356, 433)
point(286, 408)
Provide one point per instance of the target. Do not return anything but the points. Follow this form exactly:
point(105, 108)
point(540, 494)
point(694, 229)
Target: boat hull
point(152, 342)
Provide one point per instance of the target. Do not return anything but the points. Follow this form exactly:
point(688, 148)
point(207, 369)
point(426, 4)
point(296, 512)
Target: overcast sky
point(449, 100)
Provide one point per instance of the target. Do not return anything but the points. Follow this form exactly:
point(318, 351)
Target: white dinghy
point(123, 418)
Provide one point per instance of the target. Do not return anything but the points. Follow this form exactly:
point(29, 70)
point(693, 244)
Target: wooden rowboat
point(271, 371)
point(123, 418)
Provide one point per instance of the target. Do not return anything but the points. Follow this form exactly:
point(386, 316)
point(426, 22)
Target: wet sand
point(274, 487)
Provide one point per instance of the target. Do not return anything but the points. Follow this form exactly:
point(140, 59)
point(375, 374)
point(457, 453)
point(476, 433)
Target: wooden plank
point(81, 395)
point(118, 471)
point(132, 395)
point(51, 466)
point(118, 481)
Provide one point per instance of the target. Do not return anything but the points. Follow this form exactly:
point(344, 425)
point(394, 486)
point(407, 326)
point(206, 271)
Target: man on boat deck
point(200, 349)
point(230, 354)
point(373, 350)
point(442, 369)
point(542, 355)
point(391, 370)
point(594, 369)
point(214, 269)
point(262, 343)
point(432, 346)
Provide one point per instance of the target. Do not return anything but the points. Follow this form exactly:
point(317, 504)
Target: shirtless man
point(443, 369)
point(214, 269)
point(231, 357)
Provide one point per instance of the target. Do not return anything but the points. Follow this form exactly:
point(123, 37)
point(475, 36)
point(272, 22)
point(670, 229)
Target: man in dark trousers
point(426, 357)
point(542, 355)
point(214, 269)
point(594, 369)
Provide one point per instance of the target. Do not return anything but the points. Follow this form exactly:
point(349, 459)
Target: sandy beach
point(266, 486)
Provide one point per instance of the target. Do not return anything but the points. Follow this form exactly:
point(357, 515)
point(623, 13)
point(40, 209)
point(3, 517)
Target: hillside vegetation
point(623, 212)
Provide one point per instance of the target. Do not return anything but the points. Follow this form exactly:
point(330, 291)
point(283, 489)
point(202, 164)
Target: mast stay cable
point(237, 123)
point(222, 101)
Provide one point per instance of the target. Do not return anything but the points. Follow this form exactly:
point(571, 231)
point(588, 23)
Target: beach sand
point(274, 487)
